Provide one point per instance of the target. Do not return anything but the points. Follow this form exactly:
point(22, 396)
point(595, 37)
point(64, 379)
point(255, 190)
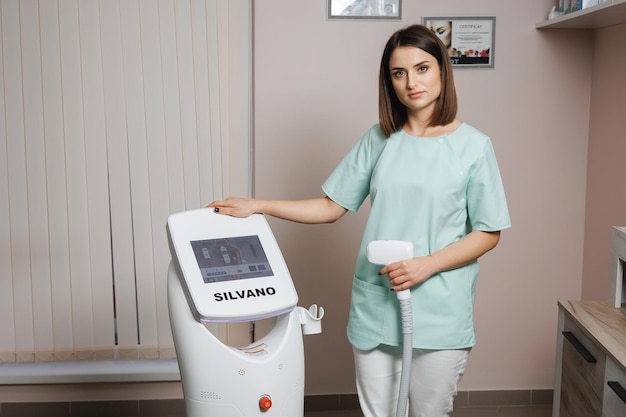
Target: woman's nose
point(411, 80)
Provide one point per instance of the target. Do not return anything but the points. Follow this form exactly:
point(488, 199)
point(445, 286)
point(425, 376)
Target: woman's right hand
point(313, 211)
point(236, 207)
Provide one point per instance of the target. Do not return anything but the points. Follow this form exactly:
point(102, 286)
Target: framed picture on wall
point(470, 40)
point(365, 9)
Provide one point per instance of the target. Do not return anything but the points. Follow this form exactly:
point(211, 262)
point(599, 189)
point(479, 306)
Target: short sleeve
point(486, 201)
point(349, 184)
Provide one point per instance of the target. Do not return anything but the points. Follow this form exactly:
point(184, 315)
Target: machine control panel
point(232, 268)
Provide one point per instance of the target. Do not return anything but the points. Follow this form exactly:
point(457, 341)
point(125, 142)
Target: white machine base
point(223, 381)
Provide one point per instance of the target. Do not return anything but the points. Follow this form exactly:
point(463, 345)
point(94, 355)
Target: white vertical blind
point(7, 329)
point(60, 320)
point(113, 115)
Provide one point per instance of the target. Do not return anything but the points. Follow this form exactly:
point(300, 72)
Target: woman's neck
point(421, 128)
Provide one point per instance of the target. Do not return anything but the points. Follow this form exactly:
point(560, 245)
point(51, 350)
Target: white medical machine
point(227, 269)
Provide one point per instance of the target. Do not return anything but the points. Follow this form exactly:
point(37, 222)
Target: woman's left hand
point(407, 273)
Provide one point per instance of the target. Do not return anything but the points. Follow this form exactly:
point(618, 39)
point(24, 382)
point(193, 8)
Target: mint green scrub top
point(431, 191)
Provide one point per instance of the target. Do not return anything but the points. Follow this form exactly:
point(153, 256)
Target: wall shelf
point(611, 12)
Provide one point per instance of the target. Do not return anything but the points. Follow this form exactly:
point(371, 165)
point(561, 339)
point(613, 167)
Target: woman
point(432, 180)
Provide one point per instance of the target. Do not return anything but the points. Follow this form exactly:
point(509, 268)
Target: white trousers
point(435, 375)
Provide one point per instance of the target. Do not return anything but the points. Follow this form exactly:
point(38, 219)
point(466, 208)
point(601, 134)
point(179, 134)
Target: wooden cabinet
point(582, 374)
point(591, 361)
point(615, 392)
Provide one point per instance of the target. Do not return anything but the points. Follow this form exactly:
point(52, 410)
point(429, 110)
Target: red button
point(265, 403)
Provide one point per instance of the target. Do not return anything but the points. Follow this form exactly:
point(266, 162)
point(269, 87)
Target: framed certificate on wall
point(470, 40)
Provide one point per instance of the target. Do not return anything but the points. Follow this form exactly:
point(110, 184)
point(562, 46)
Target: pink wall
point(606, 190)
point(315, 94)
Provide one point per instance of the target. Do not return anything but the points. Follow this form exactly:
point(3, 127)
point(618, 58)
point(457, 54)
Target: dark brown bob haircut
point(391, 112)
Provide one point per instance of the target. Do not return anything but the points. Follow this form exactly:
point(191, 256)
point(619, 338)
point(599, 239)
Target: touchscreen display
point(231, 258)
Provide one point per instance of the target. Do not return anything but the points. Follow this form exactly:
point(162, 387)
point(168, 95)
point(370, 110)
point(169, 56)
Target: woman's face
point(416, 78)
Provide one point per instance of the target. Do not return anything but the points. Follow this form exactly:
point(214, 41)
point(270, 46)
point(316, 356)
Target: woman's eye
point(423, 69)
point(398, 74)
